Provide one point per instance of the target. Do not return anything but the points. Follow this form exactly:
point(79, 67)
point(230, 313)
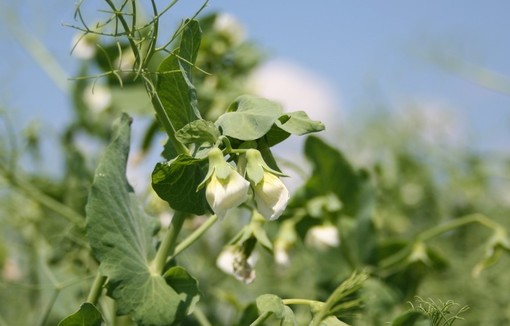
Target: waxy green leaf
point(176, 182)
point(249, 118)
point(120, 234)
point(88, 315)
point(174, 88)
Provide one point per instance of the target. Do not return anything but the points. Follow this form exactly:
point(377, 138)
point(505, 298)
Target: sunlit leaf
point(120, 234)
point(249, 118)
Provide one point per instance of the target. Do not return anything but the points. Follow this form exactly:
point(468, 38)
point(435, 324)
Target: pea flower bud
point(323, 236)
point(271, 195)
point(226, 188)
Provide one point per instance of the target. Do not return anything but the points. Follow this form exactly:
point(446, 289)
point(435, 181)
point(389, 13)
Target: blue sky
point(362, 49)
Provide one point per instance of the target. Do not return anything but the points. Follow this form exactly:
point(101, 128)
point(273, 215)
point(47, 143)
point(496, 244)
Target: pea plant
point(218, 239)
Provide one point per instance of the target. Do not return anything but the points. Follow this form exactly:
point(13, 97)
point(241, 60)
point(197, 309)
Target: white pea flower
point(84, 46)
point(97, 97)
point(225, 188)
point(323, 236)
point(271, 195)
point(232, 261)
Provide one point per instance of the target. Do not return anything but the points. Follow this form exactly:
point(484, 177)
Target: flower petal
point(228, 193)
point(271, 196)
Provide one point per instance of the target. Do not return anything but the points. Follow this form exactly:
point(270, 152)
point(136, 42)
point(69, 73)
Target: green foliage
point(175, 89)
point(120, 234)
point(417, 222)
point(177, 183)
point(88, 315)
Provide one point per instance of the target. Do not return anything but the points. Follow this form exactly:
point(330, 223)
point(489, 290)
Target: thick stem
point(96, 289)
point(167, 247)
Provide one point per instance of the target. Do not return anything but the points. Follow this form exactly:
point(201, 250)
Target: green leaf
point(249, 118)
point(88, 315)
point(202, 134)
point(298, 123)
point(288, 317)
point(174, 88)
point(120, 234)
point(333, 174)
point(271, 303)
point(412, 318)
point(176, 182)
point(182, 282)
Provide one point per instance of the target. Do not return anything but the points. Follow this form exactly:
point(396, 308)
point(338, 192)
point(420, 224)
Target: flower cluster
point(226, 188)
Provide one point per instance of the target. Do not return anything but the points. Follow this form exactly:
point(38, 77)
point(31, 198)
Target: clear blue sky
point(357, 46)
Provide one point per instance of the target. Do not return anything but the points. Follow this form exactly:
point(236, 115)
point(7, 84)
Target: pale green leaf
point(250, 118)
point(298, 123)
point(271, 303)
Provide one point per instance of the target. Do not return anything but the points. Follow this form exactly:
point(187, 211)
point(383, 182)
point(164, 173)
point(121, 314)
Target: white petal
point(323, 236)
point(223, 195)
point(271, 196)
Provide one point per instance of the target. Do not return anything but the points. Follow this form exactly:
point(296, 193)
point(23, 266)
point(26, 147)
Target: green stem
point(453, 224)
point(301, 302)
point(167, 247)
point(201, 318)
point(261, 319)
point(195, 235)
point(41, 198)
point(436, 231)
point(96, 289)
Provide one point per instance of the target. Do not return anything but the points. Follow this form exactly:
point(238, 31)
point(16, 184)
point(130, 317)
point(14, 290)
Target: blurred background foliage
point(372, 190)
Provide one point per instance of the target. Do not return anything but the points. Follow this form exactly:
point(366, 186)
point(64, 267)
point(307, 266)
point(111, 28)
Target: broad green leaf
point(88, 315)
point(249, 118)
point(176, 182)
point(412, 318)
point(271, 303)
point(120, 234)
point(174, 88)
point(182, 282)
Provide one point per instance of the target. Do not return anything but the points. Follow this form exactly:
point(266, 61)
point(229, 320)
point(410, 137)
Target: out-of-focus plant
point(351, 246)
